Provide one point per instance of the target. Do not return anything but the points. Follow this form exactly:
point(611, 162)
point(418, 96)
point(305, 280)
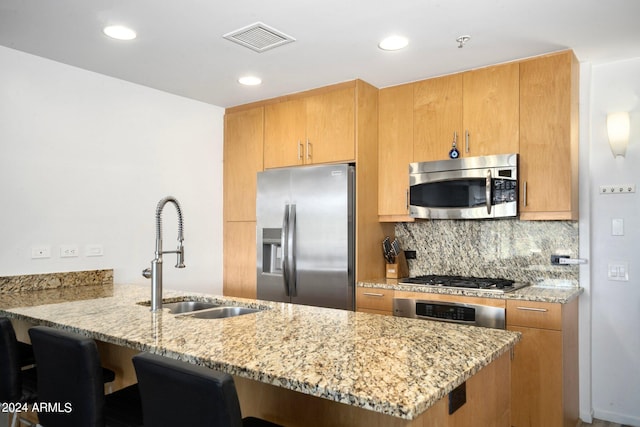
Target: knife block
point(399, 269)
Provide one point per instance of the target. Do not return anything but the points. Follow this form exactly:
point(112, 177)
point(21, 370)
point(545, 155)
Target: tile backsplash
point(511, 249)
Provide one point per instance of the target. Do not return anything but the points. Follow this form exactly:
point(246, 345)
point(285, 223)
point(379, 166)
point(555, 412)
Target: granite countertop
point(539, 293)
point(395, 366)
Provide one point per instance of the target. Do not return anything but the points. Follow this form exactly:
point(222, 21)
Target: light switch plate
point(618, 271)
point(617, 227)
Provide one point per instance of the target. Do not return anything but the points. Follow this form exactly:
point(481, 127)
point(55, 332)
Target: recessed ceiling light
point(250, 80)
point(119, 32)
point(393, 43)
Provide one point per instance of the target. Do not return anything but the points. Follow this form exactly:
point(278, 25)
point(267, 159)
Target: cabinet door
point(437, 117)
point(239, 255)
point(536, 378)
point(330, 133)
point(284, 134)
point(243, 141)
point(549, 138)
point(395, 151)
point(491, 110)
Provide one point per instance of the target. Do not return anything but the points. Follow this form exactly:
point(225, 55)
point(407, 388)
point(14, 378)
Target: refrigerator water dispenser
point(271, 251)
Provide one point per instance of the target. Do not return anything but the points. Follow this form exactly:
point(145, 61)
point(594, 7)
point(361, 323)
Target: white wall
point(615, 306)
point(84, 160)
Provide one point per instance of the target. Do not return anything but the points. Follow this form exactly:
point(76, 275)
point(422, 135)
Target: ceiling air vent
point(259, 37)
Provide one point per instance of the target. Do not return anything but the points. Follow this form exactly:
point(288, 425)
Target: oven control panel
point(468, 314)
point(446, 311)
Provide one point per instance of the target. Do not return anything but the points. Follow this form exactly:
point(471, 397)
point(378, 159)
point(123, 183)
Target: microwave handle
point(488, 191)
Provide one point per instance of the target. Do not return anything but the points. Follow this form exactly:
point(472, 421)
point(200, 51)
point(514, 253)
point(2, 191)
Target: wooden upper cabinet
point(437, 117)
point(313, 129)
point(395, 151)
point(478, 109)
point(549, 137)
point(284, 133)
point(331, 127)
point(243, 139)
point(491, 110)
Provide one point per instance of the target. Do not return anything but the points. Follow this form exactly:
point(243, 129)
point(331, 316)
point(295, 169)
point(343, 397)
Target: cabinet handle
point(372, 294)
point(541, 310)
point(466, 141)
point(407, 199)
point(300, 150)
point(524, 194)
point(309, 154)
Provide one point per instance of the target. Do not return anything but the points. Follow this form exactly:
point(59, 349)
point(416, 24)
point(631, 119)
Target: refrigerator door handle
point(284, 237)
point(291, 243)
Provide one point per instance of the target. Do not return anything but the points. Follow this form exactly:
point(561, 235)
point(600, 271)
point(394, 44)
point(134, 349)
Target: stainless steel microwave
point(464, 188)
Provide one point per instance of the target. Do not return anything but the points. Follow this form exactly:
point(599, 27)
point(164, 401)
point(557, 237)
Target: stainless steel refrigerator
point(306, 235)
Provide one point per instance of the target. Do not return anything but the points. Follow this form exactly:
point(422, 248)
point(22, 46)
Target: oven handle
point(488, 191)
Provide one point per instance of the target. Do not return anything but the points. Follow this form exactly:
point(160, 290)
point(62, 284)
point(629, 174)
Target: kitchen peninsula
point(293, 364)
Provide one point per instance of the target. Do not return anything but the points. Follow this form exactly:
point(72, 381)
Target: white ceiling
point(180, 48)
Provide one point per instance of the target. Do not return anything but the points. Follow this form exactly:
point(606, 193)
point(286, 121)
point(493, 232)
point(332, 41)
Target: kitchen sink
point(223, 312)
point(188, 306)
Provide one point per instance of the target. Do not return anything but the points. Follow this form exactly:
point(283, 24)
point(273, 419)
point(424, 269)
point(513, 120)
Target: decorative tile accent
point(511, 249)
point(36, 282)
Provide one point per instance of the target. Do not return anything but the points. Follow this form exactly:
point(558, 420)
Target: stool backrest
point(69, 378)
point(10, 383)
point(204, 397)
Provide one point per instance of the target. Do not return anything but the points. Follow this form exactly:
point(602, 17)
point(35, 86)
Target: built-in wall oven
point(453, 312)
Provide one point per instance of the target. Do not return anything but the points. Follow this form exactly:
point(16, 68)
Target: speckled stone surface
point(507, 248)
point(540, 293)
point(29, 282)
point(391, 365)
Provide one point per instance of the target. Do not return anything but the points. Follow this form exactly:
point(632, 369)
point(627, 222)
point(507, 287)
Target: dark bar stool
point(69, 373)
point(176, 393)
point(17, 385)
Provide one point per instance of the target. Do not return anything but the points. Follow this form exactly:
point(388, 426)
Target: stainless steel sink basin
point(188, 306)
point(223, 312)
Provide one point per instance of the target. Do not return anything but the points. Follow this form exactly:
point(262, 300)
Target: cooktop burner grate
point(483, 283)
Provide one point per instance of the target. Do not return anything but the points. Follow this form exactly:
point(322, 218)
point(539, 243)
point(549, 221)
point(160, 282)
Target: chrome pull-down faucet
point(155, 272)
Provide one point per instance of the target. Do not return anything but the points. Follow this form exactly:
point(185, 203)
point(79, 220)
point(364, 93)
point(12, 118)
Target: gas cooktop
point(479, 283)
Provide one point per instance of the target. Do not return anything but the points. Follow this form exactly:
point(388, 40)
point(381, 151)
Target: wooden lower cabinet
point(374, 300)
point(544, 370)
point(239, 253)
point(487, 404)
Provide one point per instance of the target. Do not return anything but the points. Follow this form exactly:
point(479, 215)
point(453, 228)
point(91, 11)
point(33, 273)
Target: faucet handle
point(146, 273)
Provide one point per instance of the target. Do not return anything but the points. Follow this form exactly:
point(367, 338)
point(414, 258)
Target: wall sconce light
point(618, 130)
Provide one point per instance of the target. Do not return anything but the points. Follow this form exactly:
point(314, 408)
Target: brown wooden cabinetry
point(490, 111)
point(479, 109)
point(313, 129)
point(549, 137)
point(395, 140)
point(242, 159)
point(437, 111)
point(374, 300)
point(243, 137)
point(544, 370)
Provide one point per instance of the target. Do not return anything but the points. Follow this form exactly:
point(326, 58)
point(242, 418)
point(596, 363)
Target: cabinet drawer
point(541, 315)
point(374, 299)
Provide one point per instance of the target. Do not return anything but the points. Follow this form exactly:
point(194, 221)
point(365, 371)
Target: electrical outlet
point(617, 188)
point(68, 251)
point(555, 259)
point(40, 252)
point(93, 250)
point(409, 254)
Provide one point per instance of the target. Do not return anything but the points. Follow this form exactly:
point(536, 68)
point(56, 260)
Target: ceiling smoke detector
point(259, 37)
point(462, 40)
